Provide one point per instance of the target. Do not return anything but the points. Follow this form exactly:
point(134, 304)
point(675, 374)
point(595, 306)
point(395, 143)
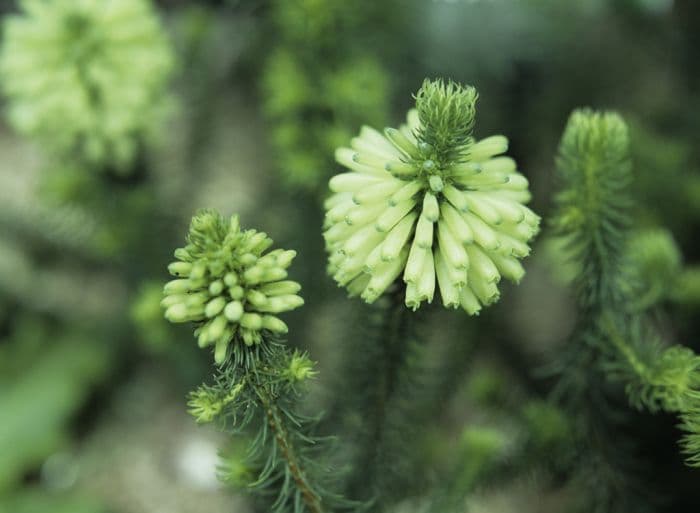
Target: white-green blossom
point(430, 204)
point(87, 78)
point(228, 284)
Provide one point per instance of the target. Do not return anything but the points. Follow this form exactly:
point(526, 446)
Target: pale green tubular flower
point(431, 204)
point(87, 78)
point(229, 285)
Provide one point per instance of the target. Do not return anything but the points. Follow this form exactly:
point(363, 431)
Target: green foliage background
point(491, 413)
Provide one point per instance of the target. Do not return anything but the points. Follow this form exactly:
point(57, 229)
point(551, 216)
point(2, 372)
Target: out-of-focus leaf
point(37, 501)
point(37, 403)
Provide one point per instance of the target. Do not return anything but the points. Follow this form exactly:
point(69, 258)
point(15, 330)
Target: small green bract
point(429, 202)
point(87, 78)
point(228, 284)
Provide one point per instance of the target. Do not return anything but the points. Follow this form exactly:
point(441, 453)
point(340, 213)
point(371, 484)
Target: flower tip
point(220, 354)
point(436, 183)
point(202, 338)
point(272, 323)
point(180, 269)
point(413, 304)
point(370, 295)
point(177, 313)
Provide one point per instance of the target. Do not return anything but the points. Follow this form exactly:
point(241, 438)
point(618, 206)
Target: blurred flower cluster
point(87, 78)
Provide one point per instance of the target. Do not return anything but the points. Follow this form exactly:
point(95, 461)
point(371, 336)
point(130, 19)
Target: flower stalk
point(233, 289)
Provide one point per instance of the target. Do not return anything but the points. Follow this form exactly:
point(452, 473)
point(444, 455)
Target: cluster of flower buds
point(228, 284)
point(87, 78)
point(430, 203)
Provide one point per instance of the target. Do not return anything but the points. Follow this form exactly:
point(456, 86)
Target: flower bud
point(272, 323)
point(177, 313)
point(232, 285)
point(215, 306)
point(180, 268)
point(177, 286)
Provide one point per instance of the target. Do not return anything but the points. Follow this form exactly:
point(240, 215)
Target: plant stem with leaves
point(233, 289)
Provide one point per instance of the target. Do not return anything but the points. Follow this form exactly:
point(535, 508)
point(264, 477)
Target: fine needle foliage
point(615, 340)
point(233, 289)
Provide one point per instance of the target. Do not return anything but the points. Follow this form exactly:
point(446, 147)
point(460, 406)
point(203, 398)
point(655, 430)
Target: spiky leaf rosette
point(431, 204)
point(228, 284)
point(86, 78)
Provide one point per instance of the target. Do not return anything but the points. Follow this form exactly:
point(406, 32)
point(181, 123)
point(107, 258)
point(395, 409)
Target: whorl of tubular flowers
point(228, 284)
point(87, 78)
point(429, 203)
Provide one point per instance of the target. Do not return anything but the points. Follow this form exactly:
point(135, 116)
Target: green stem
point(380, 370)
point(394, 342)
point(640, 368)
point(285, 445)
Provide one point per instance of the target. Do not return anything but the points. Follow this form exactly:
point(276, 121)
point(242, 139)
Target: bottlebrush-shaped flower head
point(228, 284)
point(86, 78)
point(431, 204)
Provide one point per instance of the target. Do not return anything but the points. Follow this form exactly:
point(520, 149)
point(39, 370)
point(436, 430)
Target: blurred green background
point(93, 380)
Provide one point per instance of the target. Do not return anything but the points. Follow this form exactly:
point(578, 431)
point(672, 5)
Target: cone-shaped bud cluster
point(440, 211)
point(228, 284)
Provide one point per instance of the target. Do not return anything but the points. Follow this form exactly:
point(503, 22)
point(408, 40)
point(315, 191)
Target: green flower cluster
point(229, 284)
point(87, 78)
point(430, 203)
